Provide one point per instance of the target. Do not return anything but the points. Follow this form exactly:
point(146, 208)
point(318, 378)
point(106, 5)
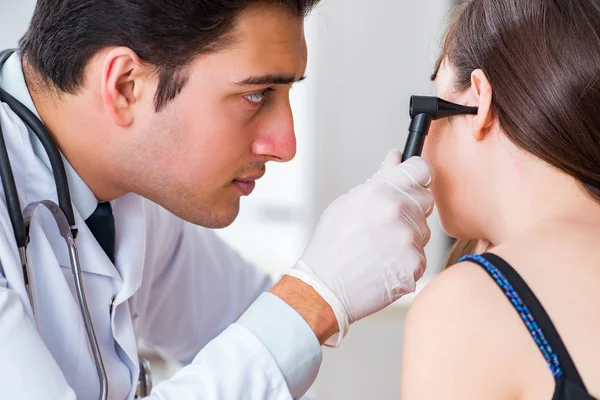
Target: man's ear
point(122, 73)
point(481, 95)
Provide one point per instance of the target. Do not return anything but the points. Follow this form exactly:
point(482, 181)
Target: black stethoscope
point(62, 213)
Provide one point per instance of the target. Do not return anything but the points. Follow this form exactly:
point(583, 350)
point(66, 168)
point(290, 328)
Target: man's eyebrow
point(269, 80)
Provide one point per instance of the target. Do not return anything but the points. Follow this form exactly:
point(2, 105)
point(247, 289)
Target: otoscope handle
point(419, 127)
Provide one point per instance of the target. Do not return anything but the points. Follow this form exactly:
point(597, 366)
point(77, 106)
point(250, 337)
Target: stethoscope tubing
point(63, 215)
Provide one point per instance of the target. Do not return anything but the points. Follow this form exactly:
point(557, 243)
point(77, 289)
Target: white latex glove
point(368, 247)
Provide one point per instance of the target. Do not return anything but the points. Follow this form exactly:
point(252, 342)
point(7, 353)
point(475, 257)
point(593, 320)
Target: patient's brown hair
point(459, 249)
point(542, 59)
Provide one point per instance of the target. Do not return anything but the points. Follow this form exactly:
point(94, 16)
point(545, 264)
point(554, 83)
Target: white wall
point(14, 18)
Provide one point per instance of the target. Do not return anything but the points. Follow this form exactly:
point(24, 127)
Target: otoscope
point(423, 110)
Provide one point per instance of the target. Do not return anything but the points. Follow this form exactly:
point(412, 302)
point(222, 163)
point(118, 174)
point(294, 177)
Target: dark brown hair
point(542, 59)
point(64, 35)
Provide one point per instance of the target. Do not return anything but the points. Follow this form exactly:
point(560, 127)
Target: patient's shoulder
point(459, 300)
point(461, 330)
point(458, 284)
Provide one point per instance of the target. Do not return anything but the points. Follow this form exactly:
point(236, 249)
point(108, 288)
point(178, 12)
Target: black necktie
point(102, 225)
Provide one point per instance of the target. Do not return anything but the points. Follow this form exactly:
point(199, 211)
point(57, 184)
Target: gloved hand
point(368, 247)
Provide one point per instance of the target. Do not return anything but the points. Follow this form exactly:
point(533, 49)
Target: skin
point(192, 155)
point(462, 334)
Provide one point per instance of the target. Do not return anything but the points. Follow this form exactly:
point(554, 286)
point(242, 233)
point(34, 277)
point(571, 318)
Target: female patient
point(523, 320)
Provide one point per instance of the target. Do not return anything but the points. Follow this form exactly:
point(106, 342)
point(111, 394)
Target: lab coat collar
point(35, 180)
point(36, 183)
point(12, 80)
point(128, 210)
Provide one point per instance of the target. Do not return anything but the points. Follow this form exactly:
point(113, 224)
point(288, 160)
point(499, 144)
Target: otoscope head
point(423, 110)
point(437, 108)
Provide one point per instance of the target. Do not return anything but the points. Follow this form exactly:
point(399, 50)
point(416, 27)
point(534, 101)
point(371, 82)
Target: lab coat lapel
point(92, 256)
point(130, 249)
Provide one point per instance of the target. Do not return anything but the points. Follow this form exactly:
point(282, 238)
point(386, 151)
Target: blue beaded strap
point(522, 309)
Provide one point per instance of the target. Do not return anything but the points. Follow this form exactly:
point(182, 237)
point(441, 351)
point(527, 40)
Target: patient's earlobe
point(481, 92)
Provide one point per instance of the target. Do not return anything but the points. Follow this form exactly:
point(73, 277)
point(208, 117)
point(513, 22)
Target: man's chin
point(218, 218)
point(219, 223)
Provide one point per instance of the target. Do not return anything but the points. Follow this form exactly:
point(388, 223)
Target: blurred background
point(365, 60)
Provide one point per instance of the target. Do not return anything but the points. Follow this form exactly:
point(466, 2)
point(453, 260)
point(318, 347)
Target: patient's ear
point(481, 95)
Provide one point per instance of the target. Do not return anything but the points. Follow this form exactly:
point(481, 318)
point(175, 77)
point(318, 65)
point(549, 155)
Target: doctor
point(166, 114)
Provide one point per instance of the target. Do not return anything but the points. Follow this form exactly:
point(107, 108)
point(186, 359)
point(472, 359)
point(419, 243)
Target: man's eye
point(259, 97)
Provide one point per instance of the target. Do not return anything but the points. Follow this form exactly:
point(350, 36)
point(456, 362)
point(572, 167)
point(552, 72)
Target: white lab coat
point(175, 285)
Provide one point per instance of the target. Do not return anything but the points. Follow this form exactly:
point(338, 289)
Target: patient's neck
point(528, 193)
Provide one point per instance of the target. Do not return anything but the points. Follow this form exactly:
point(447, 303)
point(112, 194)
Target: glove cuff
point(305, 274)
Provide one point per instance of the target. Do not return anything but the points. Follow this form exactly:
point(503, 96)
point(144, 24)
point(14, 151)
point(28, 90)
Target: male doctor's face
point(209, 145)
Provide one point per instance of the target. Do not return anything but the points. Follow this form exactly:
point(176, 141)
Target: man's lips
point(245, 187)
point(247, 183)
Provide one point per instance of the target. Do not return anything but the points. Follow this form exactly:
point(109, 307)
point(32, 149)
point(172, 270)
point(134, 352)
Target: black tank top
point(569, 385)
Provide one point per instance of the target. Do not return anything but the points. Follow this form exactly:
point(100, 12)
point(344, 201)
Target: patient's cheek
point(450, 203)
point(441, 150)
point(429, 147)
point(435, 148)
point(444, 213)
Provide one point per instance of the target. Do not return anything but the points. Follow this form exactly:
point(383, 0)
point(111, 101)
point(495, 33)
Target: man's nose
point(276, 139)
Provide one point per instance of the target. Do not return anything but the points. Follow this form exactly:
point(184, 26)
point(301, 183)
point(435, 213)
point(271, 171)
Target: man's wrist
point(309, 304)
